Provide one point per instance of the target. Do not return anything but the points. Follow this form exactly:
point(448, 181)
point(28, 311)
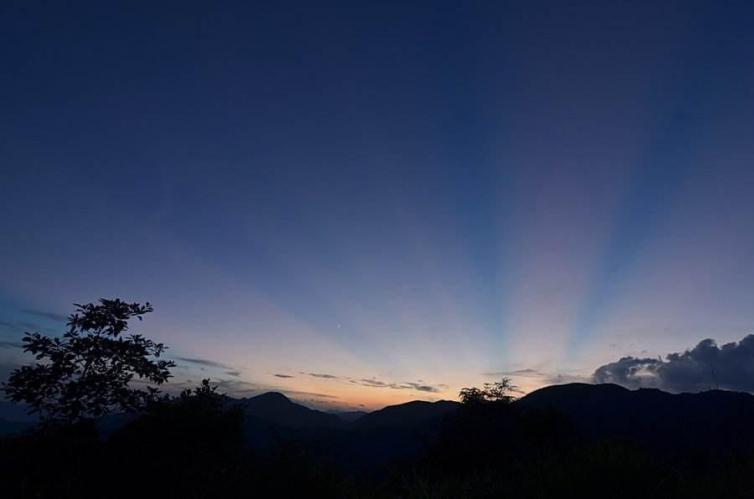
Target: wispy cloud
point(422, 388)
point(235, 386)
point(376, 383)
point(10, 344)
point(10, 325)
point(204, 362)
point(32, 326)
point(516, 372)
point(295, 393)
point(25, 326)
point(531, 379)
point(53, 316)
point(283, 376)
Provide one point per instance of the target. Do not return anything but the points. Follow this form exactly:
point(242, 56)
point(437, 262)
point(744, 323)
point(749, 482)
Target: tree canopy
point(90, 370)
point(500, 391)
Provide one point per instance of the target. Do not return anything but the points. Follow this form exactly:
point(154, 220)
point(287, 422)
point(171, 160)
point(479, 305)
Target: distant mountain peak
point(277, 408)
point(408, 414)
point(350, 416)
point(271, 397)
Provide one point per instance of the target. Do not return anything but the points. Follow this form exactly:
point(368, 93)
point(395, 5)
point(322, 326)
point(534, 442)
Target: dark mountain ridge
point(406, 416)
point(573, 440)
point(276, 408)
point(714, 420)
point(350, 416)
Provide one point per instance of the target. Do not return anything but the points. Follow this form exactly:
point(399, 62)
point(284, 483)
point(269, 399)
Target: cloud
point(10, 344)
point(535, 378)
point(46, 315)
point(204, 362)
point(375, 383)
point(10, 325)
point(423, 388)
point(560, 378)
point(517, 372)
point(32, 326)
point(23, 327)
point(419, 385)
point(295, 394)
point(370, 382)
point(703, 367)
point(234, 387)
point(233, 373)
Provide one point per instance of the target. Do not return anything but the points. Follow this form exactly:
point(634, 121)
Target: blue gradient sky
point(405, 197)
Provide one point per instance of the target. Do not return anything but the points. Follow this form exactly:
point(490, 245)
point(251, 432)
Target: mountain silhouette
point(350, 416)
point(276, 408)
point(714, 420)
point(410, 415)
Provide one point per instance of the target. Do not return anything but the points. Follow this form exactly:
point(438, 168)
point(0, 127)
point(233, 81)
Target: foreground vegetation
point(196, 445)
point(194, 448)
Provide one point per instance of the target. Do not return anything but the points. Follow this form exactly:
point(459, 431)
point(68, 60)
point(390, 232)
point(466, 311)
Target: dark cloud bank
point(704, 367)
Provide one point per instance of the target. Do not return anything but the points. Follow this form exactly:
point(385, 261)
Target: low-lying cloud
point(53, 316)
point(704, 367)
point(25, 327)
point(422, 388)
point(515, 372)
point(10, 325)
point(204, 362)
point(539, 378)
point(375, 383)
point(420, 385)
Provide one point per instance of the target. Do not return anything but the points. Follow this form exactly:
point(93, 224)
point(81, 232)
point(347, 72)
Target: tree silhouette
point(500, 391)
point(88, 371)
point(203, 397)
point(472, 395)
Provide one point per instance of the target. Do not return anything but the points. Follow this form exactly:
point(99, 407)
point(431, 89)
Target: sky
point(365, 203)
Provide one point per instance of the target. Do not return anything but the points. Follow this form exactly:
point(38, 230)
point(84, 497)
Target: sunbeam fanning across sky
point(364, 206)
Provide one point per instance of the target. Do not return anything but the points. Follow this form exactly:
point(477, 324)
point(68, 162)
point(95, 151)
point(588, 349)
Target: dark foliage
point(196, 436)
point(195, 446)
point(191, 446)
point(501, 392)
point(570, 441)
point(88, 371)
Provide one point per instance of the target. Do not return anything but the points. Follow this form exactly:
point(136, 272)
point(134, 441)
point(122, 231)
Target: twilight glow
point(363, 206)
